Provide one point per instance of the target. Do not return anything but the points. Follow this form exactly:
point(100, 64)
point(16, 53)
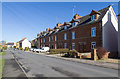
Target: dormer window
point(73, 24)
point(93, 17)
point(55, 30)
point(65, 27)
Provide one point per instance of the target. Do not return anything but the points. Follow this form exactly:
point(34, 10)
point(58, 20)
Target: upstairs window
point(65, 27)
point(73, 24)
point(93, 17)
point(41, 40)
point(93, 32)
point(49, 39)
point(73, 35)
point(65, 36)
point(93, 45)
point(55, 38)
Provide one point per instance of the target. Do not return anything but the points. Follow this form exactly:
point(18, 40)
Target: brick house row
point(83, 33)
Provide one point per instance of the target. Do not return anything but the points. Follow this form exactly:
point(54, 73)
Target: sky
point(27, 19)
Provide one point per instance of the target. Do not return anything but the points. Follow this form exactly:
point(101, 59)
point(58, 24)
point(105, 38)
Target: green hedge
point(58, 51)
point(26, 48)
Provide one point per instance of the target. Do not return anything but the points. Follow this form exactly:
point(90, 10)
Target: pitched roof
point(87, 19)
point(22, 40)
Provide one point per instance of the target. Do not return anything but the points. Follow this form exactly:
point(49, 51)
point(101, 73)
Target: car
point(43, 49)
point(34, 50)
point(31, 49)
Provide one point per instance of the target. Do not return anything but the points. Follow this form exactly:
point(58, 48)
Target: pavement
point(11, 68)
point(86, 61)
point(40, 65)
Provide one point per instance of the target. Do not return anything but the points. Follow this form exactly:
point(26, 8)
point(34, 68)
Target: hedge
point(58, 51)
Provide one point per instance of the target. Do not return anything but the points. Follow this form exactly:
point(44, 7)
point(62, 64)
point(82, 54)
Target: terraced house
point(83, 33)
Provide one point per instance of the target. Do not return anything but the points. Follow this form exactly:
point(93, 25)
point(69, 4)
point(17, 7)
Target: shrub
point(20, 48)
point(4, 48)
point(58, 51)
point(73, 53)
point(26, 48)
point(102, 53)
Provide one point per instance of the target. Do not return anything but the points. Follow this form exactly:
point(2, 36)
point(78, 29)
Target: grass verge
point(2, 61)
point(2, 53)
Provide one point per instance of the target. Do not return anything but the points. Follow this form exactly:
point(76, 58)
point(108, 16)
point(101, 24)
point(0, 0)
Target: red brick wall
point(82, 34)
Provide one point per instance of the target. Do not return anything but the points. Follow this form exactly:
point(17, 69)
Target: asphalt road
point(37, 65)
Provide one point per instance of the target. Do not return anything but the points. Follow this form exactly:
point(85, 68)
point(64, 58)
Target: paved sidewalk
point(91, 62)
point(11, 68)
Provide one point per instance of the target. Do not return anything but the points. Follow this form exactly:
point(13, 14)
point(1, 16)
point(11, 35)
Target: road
point(38, 65)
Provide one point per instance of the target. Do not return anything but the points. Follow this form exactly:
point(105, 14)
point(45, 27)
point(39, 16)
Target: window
point(93, 32)
point(73, 35)
point(55, 38)
point(93, 45)
point(55, 46)
point(93, 17)
point(65, 45)
point(73, 46)
point(49, 39)
point(65, 27)
point(65, 36)
point(44, 40)
point(73, 24)
point(41, 40)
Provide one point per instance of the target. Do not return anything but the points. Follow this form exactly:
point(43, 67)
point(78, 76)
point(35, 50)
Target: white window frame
point(73, 35)
point(65, 45)
point(65, 36)
point(93, 45)
point(73, 44)
point(93, 34)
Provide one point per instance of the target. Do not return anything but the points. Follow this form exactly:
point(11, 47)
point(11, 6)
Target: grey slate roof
point(84, 20)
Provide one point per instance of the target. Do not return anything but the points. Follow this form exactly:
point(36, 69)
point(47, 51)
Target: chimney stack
point(59, 24)
point(47, 30)
point(77, 16)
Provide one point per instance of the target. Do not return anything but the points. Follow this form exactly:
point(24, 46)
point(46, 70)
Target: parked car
point(43, 49)
point(31, 49)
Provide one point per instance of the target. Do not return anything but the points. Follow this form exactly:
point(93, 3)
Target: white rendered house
point(119, 35)
point(25, 43)
point(110, 31)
